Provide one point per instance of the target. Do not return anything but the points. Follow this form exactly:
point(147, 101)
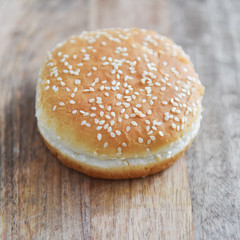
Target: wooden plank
point(212, 31)
point(157, 207)
point(39, 197)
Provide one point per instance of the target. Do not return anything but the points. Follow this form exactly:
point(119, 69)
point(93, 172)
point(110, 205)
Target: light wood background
point(42, 199)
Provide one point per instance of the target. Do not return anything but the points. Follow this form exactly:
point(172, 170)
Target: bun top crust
point(118, 93)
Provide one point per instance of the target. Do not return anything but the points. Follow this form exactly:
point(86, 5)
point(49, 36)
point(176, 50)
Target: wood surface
point(210, 33)
point(42, 199)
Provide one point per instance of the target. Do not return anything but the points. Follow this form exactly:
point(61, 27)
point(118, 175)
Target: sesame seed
point(154, 128)
point(149, 141)
point(176, 119)
point(101, 122)
point(122, 110)
point(119, 96)
point(74, 111)
point(92, 115)
point(54, 107)
point(140, 140)
point(166, 117)
point(118, 132)
point(112, 122)
point(127, 128)
point(77, 81)
point(152, 138)
point(173, 125)
point(161, 133)
point(75, 89)
point(47, 87)
point(150, 132)
point(105, 144)
point(99, 136)
point(99, 128)
point(134, 123)
point(147, 122)
point(149, 111)
point(105, 63)
point(91, 100)
point(113, 135)
point(83, 122)
point(72, 101)
point(61, 103)
point(126, 104)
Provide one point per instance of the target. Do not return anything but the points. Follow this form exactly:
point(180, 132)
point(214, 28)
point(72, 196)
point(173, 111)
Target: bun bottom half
point(117, 168)
point(116, 173)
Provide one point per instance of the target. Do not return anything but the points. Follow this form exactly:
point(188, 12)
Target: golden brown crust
point(114, 173)
point(162, 86)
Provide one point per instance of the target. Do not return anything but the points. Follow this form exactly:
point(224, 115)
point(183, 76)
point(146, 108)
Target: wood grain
point(42, 199)
point(210, 32)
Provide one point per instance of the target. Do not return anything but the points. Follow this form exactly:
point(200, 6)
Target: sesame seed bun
point(118, 103)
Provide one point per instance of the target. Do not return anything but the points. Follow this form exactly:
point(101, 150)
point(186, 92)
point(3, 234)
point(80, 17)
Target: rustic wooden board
point(210, 32)
point(41, 199)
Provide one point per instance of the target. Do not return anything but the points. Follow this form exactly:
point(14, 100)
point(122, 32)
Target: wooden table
point(42, 199)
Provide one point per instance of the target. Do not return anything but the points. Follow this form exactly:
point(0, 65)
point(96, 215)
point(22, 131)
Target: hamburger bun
point(118, 103)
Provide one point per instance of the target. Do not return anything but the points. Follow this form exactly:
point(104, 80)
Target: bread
point(118, 103)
